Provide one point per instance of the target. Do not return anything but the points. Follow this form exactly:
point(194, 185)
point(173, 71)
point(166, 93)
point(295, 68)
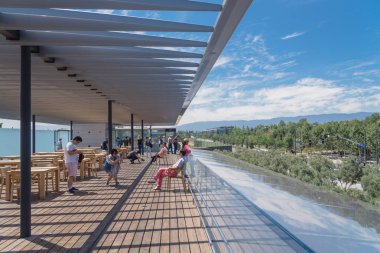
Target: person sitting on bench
point(162, 153)
point(171, 171)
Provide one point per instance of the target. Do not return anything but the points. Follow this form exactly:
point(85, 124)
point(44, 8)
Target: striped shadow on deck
point(105, 218)
point(65, 222)
point(156, 221)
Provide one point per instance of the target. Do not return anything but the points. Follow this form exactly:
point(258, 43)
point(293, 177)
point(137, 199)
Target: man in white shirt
point(71, 162)
point(58, 145)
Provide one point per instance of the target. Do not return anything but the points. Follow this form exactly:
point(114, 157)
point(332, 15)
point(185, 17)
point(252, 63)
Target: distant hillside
point(322, 118)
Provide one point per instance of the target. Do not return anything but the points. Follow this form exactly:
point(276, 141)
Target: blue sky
point(296, 57)
point(289, 58)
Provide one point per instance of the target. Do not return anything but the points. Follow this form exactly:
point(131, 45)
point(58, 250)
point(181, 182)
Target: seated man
point(162, 153)
point(172, 171)
point(134, 155)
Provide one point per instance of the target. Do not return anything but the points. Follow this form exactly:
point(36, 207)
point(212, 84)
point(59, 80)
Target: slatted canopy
point(81, 60)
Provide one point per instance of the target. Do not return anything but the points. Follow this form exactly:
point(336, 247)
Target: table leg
point(88, 169)
point(100, 163)
point(57, 178)
point(81, 168)
point(8, 187)
point(41, 186)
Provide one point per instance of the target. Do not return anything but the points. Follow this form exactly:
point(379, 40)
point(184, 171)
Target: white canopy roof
point(81, 59)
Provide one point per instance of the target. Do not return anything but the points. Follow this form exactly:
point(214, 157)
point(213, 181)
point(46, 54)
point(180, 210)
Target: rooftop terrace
point(135, 218)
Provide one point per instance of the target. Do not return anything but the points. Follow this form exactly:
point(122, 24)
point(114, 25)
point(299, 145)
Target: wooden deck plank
point(190, 225)
point(141, 223)
point(165, 232)
point(182, 229)
point(151, 207)
point(173, 224)
point(157, 232)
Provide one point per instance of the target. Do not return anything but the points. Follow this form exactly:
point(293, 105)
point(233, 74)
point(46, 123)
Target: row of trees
point(320, 171)
point(348, 136)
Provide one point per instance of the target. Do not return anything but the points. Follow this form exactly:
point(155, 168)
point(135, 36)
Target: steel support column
point(109, 126)
point(142, 137)
point(132, 139)
point(34, 134)
point(71, 130)
point(25, 115)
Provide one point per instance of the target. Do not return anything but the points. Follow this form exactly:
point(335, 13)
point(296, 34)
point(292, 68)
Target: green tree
point(349, 173)
point(371, 181)
point(325, 168)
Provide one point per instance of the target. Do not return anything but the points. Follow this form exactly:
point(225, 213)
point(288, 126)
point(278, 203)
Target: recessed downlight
point(61, 68)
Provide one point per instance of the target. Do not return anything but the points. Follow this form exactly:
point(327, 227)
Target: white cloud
point(137, 32)
point(153, 15)
point(371, 72)
point(356, 69)
point(124, 13)
point(306, 96)
point(361, 65)
point(223, 60)
point(101, 11)
point(257, 38)
point(104, 11)
point(257, 62)
point(292, 35)
point(246, 68)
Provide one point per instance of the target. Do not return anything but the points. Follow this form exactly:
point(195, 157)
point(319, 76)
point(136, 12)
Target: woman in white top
point(162, 153)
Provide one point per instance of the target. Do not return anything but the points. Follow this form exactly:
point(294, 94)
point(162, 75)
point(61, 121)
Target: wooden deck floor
point(156, 221)
point(147, 221)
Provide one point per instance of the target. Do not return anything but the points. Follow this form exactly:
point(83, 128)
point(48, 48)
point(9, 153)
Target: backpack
point(107, 166)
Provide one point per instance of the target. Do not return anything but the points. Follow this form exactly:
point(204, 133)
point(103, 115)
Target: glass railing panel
point(324, 220)
point(233, 222)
